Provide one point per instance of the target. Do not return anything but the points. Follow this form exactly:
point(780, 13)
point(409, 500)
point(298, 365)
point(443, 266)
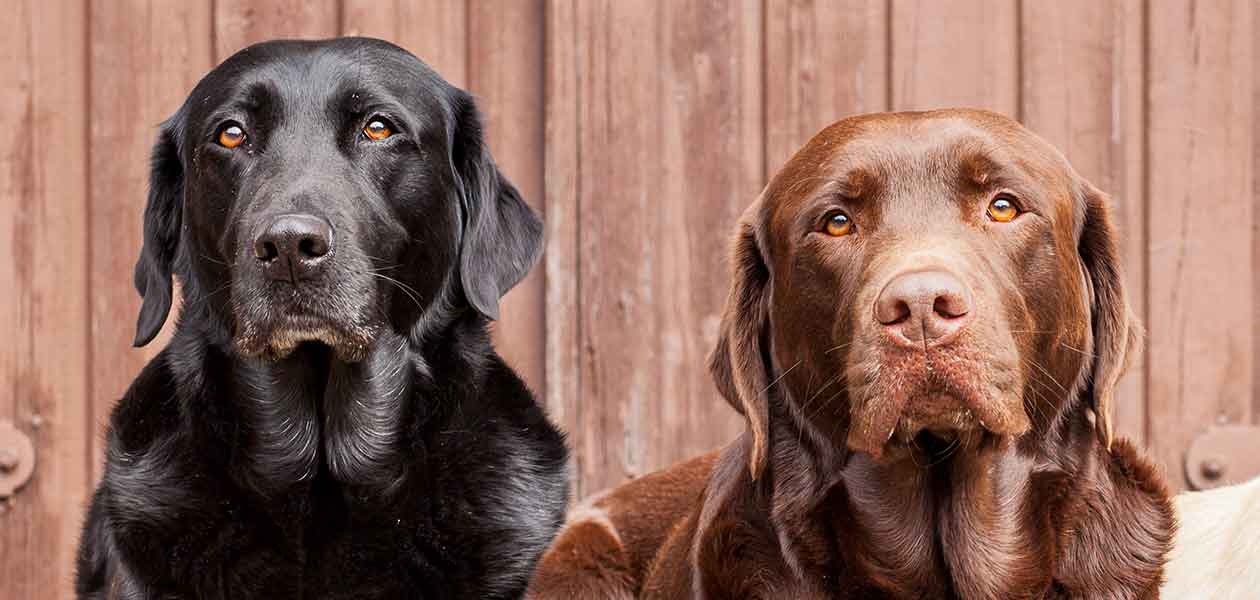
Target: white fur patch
point(1216, 553)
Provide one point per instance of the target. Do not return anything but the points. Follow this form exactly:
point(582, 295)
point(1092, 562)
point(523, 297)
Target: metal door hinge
point(1222, 455)
point(17, 459)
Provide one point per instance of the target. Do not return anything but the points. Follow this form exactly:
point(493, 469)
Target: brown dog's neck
point(994, 521)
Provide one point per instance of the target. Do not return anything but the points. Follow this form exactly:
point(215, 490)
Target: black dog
point(329, 420)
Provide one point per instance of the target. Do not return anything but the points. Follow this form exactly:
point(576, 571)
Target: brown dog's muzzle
point(924, 308)
point(933, 353)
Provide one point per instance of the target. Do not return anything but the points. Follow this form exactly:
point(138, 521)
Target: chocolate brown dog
point(924, 331)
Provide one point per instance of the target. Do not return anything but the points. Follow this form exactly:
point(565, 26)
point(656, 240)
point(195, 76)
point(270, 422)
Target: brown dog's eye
point(377, 130)
point(1003, 210)
point(231, 135)
point(839, 224)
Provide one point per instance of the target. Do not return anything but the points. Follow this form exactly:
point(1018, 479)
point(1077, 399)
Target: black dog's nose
point(924, 306)
point(292, 246)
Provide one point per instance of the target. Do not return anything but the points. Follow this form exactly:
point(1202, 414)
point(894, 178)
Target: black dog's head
point(321, 191)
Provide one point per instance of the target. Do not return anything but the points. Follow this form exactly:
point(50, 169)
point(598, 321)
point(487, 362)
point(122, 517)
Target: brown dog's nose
point(924, 307)
point(291, 247)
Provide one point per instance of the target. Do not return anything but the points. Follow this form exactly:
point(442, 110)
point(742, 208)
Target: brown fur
point(979, 467)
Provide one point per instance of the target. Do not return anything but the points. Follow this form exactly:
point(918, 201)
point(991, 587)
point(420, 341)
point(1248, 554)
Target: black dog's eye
point(231, 135)
point(838, 224)
point(378, 129)
point(1002, 209)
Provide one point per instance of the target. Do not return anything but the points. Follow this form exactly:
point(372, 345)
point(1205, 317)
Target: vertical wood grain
point(44, 309)
point(505, 72)
point(1255, 180)
point(146, 58)
point(1202, 121)
point(824, 61)
point(958, 53)
point(434, 30)
point(561, 272)
point(1081, 84)
point(670, 152)
point(239, 23)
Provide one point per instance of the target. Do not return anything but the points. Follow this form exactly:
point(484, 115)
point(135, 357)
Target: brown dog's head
point(915, 279)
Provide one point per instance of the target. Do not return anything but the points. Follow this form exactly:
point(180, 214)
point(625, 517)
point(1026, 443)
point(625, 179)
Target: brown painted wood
point(1255, 178)
point(434, 30)
point(824, 61)
point(958, 53)
point(1082, 61)
point(669, 153)
point(44, 309)
point(561, 160)
point(1202, 122)
point(505, 72)
point(239, 23)
point(146, 57)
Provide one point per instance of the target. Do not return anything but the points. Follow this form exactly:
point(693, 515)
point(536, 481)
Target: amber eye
point(1003, 210)
point(839, 224)
point(377, 130)
point(231, 135)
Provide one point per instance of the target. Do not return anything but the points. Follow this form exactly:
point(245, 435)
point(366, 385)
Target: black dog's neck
point(286, 422)
point(310, 412)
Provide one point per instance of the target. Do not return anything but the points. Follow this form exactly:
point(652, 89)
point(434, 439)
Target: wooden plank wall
point(641, 129)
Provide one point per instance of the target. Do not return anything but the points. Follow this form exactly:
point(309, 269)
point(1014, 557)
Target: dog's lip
point(288, 330)
point(974, 396)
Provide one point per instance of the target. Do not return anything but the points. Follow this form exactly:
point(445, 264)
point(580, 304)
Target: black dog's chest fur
point(458, 504)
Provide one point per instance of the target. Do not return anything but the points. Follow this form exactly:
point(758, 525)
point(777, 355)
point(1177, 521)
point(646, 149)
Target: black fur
point(396, 456)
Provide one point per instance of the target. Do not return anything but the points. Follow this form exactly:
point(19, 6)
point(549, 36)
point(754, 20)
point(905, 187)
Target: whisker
point(215, 261)
point(1078, 350)
point(1047, 374)
point(781, 376)
point(840, 347)
point(406, 289)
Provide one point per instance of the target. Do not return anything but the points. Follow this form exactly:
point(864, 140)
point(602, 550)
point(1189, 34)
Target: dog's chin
point(277, 341)
point(930, 422)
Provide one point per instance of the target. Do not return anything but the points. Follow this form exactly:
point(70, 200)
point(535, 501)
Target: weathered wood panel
point(146, 58)
point(239, 23)
point(561, 159)
point(1255, 180)
point(434, 30)
point(1201, 124)
point(505, 62)
point(824, 61)
point(958, 53)
point(1081, 90)
point(44, 308)
point(668, 128)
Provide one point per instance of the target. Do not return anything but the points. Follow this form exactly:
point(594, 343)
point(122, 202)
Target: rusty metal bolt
point(8, 460)
point(1212, 468)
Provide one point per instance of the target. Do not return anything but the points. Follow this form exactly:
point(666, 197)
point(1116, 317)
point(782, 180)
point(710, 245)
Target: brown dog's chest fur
point(1099, 533)
point(708, 531)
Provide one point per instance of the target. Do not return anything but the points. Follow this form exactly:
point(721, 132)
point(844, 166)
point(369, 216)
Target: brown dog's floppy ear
point(162, 220)
point(502, 237)
point(738, 362)
point(1115, 329)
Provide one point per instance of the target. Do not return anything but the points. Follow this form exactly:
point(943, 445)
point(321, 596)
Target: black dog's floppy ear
point(503, 238)
point(162, 218)
point(739, 361)
point(1116, 331)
